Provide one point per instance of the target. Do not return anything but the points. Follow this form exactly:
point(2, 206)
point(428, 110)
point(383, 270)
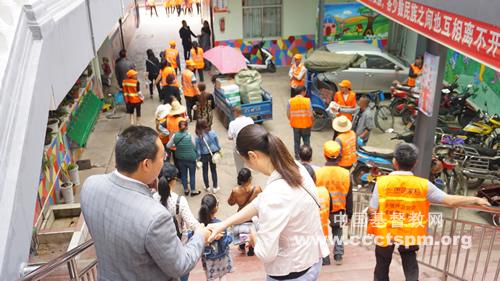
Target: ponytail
point(256, 138)
point(163, 190)
point(207, 208)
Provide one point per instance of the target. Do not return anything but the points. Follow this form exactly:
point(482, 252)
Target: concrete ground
point(155, 33)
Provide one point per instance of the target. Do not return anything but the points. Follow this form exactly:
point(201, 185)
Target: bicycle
point(384, 120)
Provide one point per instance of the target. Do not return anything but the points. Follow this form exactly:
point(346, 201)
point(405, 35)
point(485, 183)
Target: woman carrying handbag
point(208, 152)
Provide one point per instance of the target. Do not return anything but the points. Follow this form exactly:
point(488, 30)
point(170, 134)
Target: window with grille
point(262, 18)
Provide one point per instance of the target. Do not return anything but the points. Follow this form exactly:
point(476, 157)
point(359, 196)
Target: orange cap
point(190, 63)
point(331, 149)
point(131, 73)
point(172, 43)
point(345, 83)
point(297, 57)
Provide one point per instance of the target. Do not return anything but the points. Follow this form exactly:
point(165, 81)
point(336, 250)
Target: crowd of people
point(175, 6)
point(143, 230)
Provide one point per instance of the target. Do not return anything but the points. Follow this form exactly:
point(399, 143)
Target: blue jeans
point(206, 160)
point(186, 166)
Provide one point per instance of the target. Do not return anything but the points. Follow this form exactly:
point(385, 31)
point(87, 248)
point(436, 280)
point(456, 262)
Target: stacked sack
point(232, 94)
point(250, 85)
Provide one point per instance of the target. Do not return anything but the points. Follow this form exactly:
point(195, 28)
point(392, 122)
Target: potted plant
point(73, 173)
point(67, 185)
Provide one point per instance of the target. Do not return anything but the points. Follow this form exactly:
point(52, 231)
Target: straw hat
point(162, 111)
point(177, 108)
point(341, 124)
point(331, 149)
point(131, 73)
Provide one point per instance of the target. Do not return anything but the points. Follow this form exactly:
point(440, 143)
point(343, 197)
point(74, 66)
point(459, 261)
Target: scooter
point(267, 59)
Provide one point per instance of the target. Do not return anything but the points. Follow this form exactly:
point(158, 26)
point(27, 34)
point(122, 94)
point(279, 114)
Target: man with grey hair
point(399, 210)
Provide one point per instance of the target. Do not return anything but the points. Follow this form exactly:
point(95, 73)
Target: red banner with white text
point(478, 40)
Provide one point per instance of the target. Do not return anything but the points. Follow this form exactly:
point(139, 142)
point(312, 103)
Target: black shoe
point(326, 260)
point(194, 193)
point(186, 193)
point(250, 252)
point(338, 259)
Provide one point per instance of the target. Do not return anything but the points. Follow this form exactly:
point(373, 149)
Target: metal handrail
point(450, 260)
point(66, 258)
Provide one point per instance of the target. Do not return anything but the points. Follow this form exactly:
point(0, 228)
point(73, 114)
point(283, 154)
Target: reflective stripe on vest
point(187, 84)
point(300, 112)
point(324, 212)
point(350, 102)
point(416, 70)
point(164, 73)
point(296, 70)
point(171, 56)
point(403, 210)
point(198, 58)
point(130, 92)
point(336, 180)
point(348, 141)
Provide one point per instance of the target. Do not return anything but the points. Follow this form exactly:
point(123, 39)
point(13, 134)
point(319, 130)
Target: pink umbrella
point(226, 59)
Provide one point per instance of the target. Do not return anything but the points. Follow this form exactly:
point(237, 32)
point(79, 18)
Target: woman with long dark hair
point(287, 210)
point(153, 69)
point(204, 105)
point(205, 39)
point(207, 144)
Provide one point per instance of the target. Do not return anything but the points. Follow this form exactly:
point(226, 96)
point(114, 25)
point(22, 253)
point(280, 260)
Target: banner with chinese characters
point(475, 39)
point(427, 84)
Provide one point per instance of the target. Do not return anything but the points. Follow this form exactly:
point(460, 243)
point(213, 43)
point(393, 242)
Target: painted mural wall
point(485, 80)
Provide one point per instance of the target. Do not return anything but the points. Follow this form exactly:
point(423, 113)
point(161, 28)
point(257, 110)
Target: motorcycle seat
point(378, 152)
point(403, 88)
point(485, 151)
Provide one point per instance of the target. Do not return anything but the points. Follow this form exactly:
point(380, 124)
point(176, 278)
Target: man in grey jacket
point(134, 235)
point(122, 65)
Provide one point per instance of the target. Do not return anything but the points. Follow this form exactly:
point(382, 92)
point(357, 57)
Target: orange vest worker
point(189, 89)
point(172, 55)
point(416, 71)
point(403, 210)
point(164, 73)
point(130, 91)
point(300, 112)
point(197, 57)
point(296, 70)
point(336, 180)
point(324, 212)
point(349, 102)
point(348, 141)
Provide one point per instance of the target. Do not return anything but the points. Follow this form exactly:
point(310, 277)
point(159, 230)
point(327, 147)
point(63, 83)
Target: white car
point(376, 73)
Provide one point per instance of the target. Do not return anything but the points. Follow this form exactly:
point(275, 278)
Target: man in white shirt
point(240, 121)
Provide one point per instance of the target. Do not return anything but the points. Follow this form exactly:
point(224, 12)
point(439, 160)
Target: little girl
point(216, 258)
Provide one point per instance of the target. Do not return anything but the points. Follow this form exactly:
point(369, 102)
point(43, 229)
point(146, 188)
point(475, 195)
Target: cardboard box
point(221, 82)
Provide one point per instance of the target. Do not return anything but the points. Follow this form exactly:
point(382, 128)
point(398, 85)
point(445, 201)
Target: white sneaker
point(215, 189)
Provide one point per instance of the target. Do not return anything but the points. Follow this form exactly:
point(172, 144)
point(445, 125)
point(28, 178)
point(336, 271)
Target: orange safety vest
point(178, 2)
point(402, 212)
point(187, 85)
point(198, 58)
point(130, 92)
point(416, 70)
point(300, 112)
point(294, 83)
point(348, 141)
point(164, 73)
point(324, 211)
point(350, 102)
point(336, 180)
point(171, 56)
point(173, 126)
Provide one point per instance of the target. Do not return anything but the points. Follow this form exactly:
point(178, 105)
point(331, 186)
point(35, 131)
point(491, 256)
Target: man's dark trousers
point(408, 255)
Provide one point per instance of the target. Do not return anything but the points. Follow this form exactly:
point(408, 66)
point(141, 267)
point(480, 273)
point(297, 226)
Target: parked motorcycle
point(492, 193)
point(409, 110)
point(399, 98)
point(478, 164)
point(484, 129)
point(445, 172)
point(266, 62)
point(454, 106)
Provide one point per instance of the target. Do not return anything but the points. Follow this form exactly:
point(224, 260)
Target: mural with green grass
point(485, 81)
point(353, 21)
